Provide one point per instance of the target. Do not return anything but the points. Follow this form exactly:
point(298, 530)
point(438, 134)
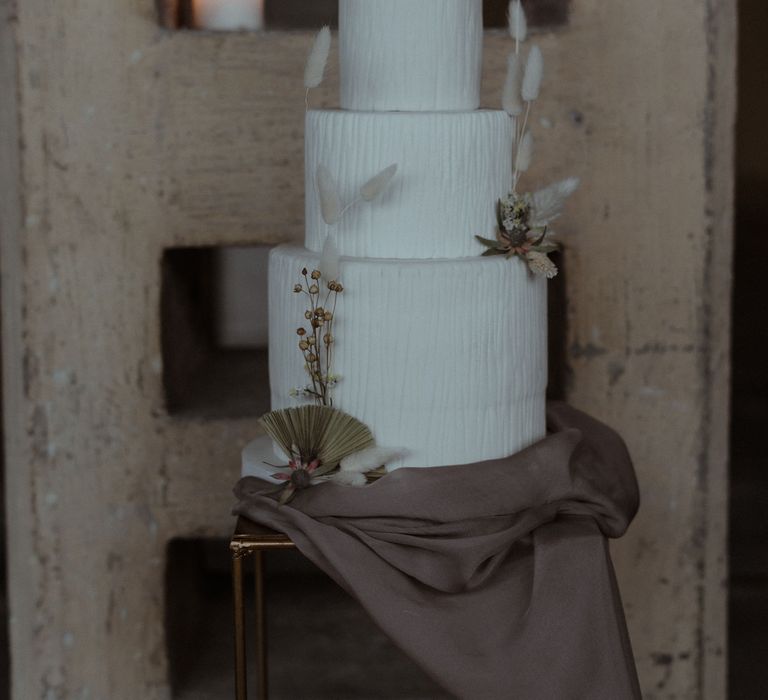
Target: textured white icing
point(446, 358)
point(452, 168)
point(410, 55)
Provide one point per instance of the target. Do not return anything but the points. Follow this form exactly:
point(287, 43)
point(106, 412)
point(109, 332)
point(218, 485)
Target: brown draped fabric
point(495, 577)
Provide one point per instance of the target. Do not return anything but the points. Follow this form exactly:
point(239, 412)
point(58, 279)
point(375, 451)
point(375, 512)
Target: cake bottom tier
point(444, 358)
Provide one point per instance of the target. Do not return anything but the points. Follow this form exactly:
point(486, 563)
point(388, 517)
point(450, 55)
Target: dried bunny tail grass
point(329, 260)
point(350, 479)
point(328, 191)
point(534, 72)
point(548, 203)
point(370, 459)
point(511, 99)
point(378, 183)
point(314, 72)
point(540, 264)
point(518, 24)
point(524, 153)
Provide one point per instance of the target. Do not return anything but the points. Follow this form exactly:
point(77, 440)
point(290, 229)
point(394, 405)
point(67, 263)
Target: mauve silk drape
point(495, 577)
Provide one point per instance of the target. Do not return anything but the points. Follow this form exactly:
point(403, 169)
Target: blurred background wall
point(135, 156)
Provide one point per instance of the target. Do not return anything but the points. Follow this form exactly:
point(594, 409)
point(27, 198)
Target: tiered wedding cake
point(440, 351)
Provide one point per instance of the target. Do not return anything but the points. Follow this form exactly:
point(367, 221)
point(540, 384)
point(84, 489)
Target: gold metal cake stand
point(251, 540)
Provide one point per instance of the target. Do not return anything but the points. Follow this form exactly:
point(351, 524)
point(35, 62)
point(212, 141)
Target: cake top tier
point(410, 55)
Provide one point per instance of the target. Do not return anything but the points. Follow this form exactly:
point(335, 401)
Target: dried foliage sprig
point(308, 433)
point(314, 71)
point(523, 220)
point(316, 439)
point(331, 206)
point(317, 342)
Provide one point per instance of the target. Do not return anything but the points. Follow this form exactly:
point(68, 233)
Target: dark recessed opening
point(557, 318)
point(214, 331)
point(540, 13)
point(311, 14)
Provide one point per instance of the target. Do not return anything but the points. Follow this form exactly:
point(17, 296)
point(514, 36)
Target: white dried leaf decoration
point(524, 153)
point(329, 260)
point(518, 24)
point(540, 264)
point(512, 99)
point(534, 72)
point(378, 183)
point(314, 72)
point(350, 479)
point(328, 191)
point(547, 204)
point(369, 459)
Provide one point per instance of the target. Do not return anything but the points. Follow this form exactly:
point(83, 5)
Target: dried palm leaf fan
point(317, 433)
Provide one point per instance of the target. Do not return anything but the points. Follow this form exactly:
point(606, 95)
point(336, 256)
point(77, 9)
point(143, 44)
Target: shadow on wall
point(748, 614)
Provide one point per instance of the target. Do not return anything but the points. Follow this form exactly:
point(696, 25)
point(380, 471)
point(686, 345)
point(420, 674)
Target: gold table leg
point(241, 675)
point(254, 540)
point(261, 627)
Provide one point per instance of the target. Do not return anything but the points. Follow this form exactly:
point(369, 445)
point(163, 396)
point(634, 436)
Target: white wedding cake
point(440, 352)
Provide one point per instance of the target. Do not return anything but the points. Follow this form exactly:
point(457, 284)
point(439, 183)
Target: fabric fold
point(484, 573)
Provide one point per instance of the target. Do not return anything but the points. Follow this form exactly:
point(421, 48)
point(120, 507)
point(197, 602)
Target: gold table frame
point(251, 540)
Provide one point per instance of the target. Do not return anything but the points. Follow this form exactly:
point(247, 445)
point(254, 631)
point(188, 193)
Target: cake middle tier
point(452, 167)
point(445, 358)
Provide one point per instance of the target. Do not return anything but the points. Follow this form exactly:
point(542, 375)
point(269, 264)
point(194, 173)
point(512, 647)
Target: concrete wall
point(119, 140)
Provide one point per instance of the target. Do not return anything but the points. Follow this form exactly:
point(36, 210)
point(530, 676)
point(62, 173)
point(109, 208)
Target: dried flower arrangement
point(322, 443)
point(316, 439)
point(523, 219)
point(316, 343)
